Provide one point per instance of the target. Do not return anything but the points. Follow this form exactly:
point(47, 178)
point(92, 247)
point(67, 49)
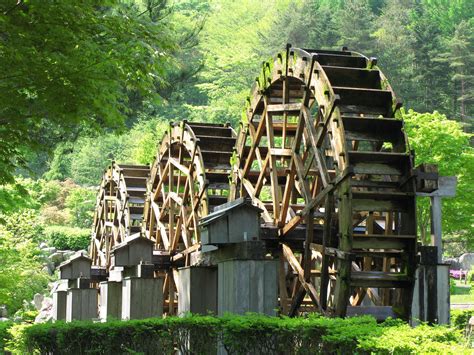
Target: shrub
point(21, 274)
point(460, 318)
point(4, 335)
point(69, 238)
point(238, 335)
point(81, 204)
point(470, 275)
point(24, 225)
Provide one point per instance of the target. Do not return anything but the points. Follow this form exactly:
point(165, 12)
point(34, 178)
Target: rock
point(467, 261)
point(38, 301)
point(49, 268)
point(3, 311)
point(453, 263)
point(68, 253)
point(43, 245)
point(49, 250)
point(57, 258)
point(46, 312)
point(60, 285)
point(2, 319)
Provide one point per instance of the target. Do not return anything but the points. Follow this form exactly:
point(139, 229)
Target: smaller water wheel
point(119, 209)
point(189, 177)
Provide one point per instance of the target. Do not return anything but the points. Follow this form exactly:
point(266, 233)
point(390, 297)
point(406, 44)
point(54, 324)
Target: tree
point(69, 68)
point(393, 43)
point(441, 141)
point(460, 58)
point(355, 21)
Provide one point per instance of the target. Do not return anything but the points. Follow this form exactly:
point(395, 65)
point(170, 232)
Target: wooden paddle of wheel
point(189, 177)
point(323, 154)
point(119, 209)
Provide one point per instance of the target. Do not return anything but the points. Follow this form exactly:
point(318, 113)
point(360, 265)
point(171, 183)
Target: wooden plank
point(185, 252)
point(328, 209)
point(282, 285)
point(180, 166)
point(295, 265)
point(288, 108)
point(311, 131)
point(255, 142)
point(273, 168)
point(342, 288)
point(281, 152)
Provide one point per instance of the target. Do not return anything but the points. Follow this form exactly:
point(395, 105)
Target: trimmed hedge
point(68, 238)
point(254, 334)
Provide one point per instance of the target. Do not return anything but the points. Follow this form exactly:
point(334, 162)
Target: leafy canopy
point(69, 66)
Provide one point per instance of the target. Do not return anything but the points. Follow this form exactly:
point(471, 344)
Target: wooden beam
point(295, 265)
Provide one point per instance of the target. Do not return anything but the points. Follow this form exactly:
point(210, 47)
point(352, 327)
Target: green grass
point(462, 293)
point(457, 299)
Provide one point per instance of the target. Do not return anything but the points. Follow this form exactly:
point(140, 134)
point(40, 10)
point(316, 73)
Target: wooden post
point(436, 225)
point(345, 245)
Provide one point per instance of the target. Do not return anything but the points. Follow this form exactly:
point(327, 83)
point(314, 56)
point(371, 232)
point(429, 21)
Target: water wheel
point(189, 177)
point(119, 209)
point(322, 151)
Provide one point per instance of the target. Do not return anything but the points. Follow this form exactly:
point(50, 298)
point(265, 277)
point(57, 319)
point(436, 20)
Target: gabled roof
point(225, 208)
point(135, 238)
point(77, 256)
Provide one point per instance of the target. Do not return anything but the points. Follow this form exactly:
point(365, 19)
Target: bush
point(4, 335)
point(67, 238)
point(24, 225)
point(460, 318)
point(238, 335)
point(81, 204)
point(21, 274)
point(470, 275)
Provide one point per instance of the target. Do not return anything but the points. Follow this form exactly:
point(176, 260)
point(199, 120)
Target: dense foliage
point(94, 81)
point(438, 140)
point(20, 270)
point(238, 335)
point(38, 212)
point(75, 65)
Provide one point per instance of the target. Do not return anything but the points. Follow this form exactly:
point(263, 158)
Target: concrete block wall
point(142, 298)
point(197, 289)
point(59, 305)
point(247, 286)
point(110, 300)
point(81, 304)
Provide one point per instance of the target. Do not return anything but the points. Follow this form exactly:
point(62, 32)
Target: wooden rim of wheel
point(313, 153)
point(119, 209)
point(188, 178)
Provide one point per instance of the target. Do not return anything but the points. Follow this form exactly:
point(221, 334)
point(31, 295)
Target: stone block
point(81, 304)
point(59, 305)
point(110, 306)
point(142, 298)
point(247, 286)
point(197, 289)
point(146, 271)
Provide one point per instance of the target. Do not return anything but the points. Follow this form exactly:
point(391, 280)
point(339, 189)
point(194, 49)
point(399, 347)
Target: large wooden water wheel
point(119, 209)
point(189, 177)
point(323, 153)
